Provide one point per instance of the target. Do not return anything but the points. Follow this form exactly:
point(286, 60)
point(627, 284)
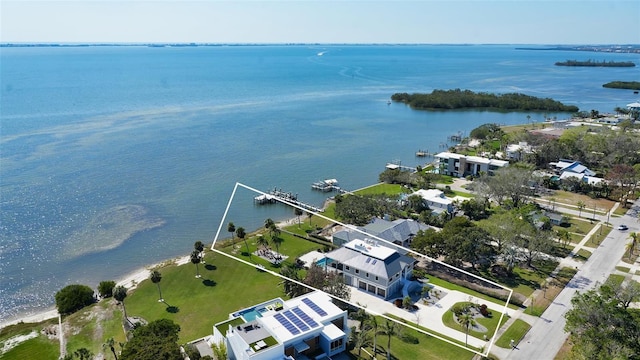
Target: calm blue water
point(117, 157)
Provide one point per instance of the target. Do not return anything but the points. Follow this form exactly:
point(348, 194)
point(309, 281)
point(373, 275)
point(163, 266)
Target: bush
point(73, 298)
point(105, 289)
point(484, 310)
point(409, 339)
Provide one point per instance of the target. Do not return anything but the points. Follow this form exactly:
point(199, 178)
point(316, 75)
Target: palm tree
point(262, 241)
point(199, 246)
point(275, 238)
point(510, 257)
point(298, 213)
point(120, 293)
point(155, 278)
point(372, 323)
point(110, 343)
point(195, 259)
point(389, 328)
point(219, 350)
point(231, 228)
point(581, 206)
point(241, 235)
point(268, 223)
point(360, 339)
point(466, 320)
point(309, 214)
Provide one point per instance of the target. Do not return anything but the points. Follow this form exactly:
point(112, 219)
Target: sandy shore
point(129, 281)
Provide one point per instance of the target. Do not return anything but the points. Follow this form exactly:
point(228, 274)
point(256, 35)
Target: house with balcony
point(372, 267)
point(435, 200)
point(310, 326)
point(459, 165)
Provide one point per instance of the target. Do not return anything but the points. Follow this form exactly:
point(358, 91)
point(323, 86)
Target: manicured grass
point(447, 285)
point(583, 254)
point(197, 304)
point(461, 194)
point(579, 227)
point(39, 348)
point(382, 188)
point(515, 332)
point(617, 279)
point(427, 348)
point(491, 323)
point(83, 333)
point(623, 269)
point(599, 236)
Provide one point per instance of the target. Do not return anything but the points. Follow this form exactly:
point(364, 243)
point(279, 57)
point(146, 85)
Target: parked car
point(623, 227)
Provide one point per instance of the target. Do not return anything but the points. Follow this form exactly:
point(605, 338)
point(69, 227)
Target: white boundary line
point(493, 337)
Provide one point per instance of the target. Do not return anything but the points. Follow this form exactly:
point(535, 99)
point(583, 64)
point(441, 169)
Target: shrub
point(105, 289)
point(73, 298)
point(484, 310)
point(409, 339)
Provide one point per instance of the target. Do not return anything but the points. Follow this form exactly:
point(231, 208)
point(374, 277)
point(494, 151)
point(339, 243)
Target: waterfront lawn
point(515, 332)
point(382, 188)
point(39, 348)
point(196, 304)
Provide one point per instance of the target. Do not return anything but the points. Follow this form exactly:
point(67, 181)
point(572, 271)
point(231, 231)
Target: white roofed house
point(516, 151)
point(462, 165)
point(369, 266)
point(309, 326)
point(435, 200)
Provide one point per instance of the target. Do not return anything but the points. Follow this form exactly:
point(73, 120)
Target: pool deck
point(311, 257)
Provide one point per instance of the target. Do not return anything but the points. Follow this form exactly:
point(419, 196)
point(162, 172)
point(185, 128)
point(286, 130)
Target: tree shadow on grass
point(171, 309)
point(210, 267)
point(208, 282)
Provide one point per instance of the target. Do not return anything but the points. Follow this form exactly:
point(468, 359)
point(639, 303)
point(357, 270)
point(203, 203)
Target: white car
point(623, 227)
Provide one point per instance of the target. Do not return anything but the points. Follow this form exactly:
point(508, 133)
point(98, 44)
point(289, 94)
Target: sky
point(310, 21)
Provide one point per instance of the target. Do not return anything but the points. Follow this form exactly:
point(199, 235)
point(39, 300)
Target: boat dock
point(326, 185)
point(423, 153)
point(274, 195)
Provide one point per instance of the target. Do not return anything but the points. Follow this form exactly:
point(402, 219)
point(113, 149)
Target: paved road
point(547, 335)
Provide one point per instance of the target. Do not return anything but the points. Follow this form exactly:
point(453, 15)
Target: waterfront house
point(310, 326)
point(459, 165)
point(515, 151)
point(571, 166)
point(369, 266)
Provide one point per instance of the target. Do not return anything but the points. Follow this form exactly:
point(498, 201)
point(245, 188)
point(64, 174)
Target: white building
point(515, 151)
point(308, 326)
point(435, 200)
point(461, 165)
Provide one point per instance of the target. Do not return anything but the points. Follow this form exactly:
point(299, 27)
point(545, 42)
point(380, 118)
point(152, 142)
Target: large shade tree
point(156, 340)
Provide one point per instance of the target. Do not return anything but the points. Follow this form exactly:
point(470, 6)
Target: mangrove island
point(630, 85)
point(593, 63)
point(467, 99)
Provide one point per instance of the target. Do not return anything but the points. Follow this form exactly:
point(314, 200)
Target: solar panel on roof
point(303, 315)
point(287, 324)
point(296, 320)
point(314, 307)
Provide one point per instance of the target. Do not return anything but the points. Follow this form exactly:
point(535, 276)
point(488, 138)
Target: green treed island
point(593, 63)
point(467, 99)
point(631, 85)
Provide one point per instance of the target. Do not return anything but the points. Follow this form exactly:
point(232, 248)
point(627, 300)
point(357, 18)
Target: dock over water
point(274, 195)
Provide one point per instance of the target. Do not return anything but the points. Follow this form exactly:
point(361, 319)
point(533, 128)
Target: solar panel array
point(287, 324)
point(296, 321)
point(303, 315)
point(314, 307)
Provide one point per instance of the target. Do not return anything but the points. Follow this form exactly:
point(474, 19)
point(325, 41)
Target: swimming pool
point(324, 261)
point(251, 314)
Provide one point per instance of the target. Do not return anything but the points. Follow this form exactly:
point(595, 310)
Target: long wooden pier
point(274, 195)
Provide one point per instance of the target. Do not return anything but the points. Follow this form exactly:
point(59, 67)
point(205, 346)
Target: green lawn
point(583, 254)
point(447, 285)
point(382, 188)
point(39, 348)
point(623, 269)
point(491, 323)
point(197, 304)
point(515, 332)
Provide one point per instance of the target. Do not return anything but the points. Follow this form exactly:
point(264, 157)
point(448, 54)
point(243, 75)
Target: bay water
point(112, 158)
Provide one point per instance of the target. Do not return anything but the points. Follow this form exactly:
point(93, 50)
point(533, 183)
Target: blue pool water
point(324, 262)
point(250, 314)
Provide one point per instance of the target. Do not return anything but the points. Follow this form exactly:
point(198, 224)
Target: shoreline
point(132, 279)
